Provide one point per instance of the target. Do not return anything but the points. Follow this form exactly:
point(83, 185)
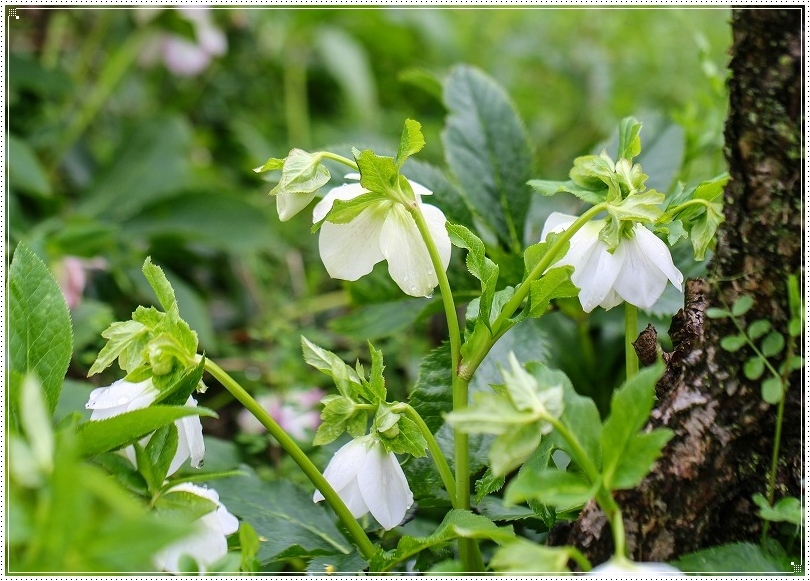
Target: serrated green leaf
point(162, 287)
point(549, 188)
point(758, 328)
point(346, 379)
point(754, 368)
point(716, 313)
point(553, 487)
point(772, 344)
point(432, 395)
point(409, 440)
point(641, 451)
point(772, 390)
point(523, 556)
point(742, 305)
point(481, 267)
point(336, 412)
point(486, 146)
point(733, 343)
point(555, 284)
point(302, 174)
point(39, 340)
point(629, 410)
point(378, 174)
point(489, 413)
point(411, 142)
point(290, 524)
point(376, 379)
point(488, 484)
point(732, 558)
point(457, 523)
point(157, 455)
point(99, 436)
point(629, 140)
point(271, 164)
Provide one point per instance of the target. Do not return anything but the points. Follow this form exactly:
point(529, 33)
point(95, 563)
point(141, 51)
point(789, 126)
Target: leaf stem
point(365, 545)
point(630, 334)
point(339, 158)
point(433, 446)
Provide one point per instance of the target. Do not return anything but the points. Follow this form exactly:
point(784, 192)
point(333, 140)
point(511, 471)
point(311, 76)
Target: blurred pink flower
point(71, 274)
point(184, 57)
point(294, 411)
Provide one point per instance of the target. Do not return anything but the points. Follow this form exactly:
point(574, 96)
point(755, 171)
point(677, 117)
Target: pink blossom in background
point(294, 411)
point(71, 274)
point(184, 57)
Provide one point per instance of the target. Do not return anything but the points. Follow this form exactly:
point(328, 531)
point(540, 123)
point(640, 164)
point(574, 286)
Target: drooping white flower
point(383, 231)
point(208, 543)
point(123, 396)
point(621, 567)
point(369, 479)
point(636, 272)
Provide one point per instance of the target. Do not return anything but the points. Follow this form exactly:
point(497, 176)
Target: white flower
point(207, 544)
point(369, 480)
point(123, 396)
point(621, 567)
point(636, 272)
point(383, 231)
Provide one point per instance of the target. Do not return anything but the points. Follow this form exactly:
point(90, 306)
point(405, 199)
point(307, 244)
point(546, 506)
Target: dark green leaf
point(432, 395)
point(523, 556)
point(486, 147)
point(488, 484)
point(733, 558)
point(479, 266)
point(39, 339)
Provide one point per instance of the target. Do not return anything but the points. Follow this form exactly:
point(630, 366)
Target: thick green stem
point(339, 158)
point(435, 451)
point(548, 259)
point(366, 547)
point(630, 334)
point(614, 516)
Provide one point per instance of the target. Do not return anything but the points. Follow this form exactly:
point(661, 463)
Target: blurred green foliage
point(113, 158)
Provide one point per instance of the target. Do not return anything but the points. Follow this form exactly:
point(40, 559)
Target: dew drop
point(429, 295)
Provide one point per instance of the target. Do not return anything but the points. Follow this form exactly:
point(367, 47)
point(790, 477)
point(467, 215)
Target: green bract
point(302, 175)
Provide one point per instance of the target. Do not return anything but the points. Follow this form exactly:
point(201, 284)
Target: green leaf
point(24, 169)
point(479, 266)
point(378, 174)
point(302, 173)
point(98, 436)
point(446, 195)
point(456, 524)
point(629, 140)
point(523, 556)
point(732, 558)
point(376, 380)
point(772, 390)
point(488, 484)
point(39, 340)
point(715, 313)
point(183, 506)
point(758, 328)
point(432, 395)
point(511, 449)
point(549, 188)
point(554, 284)
point(787, 509)
point(412, 141)
point(742, 305)
point(158, 454)
point(344, 211)
point(162, 287)
point(773, 344)
point(581, 417)
point(754, 368)
point(336, 412)
point(486, 146)
point(345, 377)
point(629, 410)
point(489, 413)
point(554, 487)
point(733, 343)
point(284, 516)
point(640, 453)
point(409, 440)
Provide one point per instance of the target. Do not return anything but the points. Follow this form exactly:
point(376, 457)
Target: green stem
point(630, 334)
point(469, 552)
point(677, 209)
point(614, 516)
point(548, 259)
point(366, 547)
point(580, 559)
point(435, 451)
point(344, 160)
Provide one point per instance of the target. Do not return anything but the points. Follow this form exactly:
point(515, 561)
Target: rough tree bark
point(699, 492)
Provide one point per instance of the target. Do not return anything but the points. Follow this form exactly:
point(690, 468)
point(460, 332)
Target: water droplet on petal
point(429, 295)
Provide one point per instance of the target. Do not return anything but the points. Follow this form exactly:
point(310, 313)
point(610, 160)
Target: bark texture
point(698, 494)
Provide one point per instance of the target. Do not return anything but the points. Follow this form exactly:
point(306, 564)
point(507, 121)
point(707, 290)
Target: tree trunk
point(699, 492)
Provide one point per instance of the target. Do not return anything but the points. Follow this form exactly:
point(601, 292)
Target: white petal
point(341, 472)
point(120, 397)
point(409, 263)
point(640, 283)
point(436, 221)
point(658, 252)
point(351, 250)
point(288, 205)
point(595, 271)
point(344, 192)
point(190, 441)
point(384, 487)
point(556, 222)
point(419, 189)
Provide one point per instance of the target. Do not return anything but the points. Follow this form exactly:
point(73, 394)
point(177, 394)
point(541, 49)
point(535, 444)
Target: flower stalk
point(289, 445)
point(630, 334)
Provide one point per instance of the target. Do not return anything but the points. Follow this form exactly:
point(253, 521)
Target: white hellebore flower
point(207, 544)
point(620, 567)
point(383, 231)
point(636, 272)
point(123, 396)
point(369, 479)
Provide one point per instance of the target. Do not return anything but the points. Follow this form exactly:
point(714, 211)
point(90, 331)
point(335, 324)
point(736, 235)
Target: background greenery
point(112, 159)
